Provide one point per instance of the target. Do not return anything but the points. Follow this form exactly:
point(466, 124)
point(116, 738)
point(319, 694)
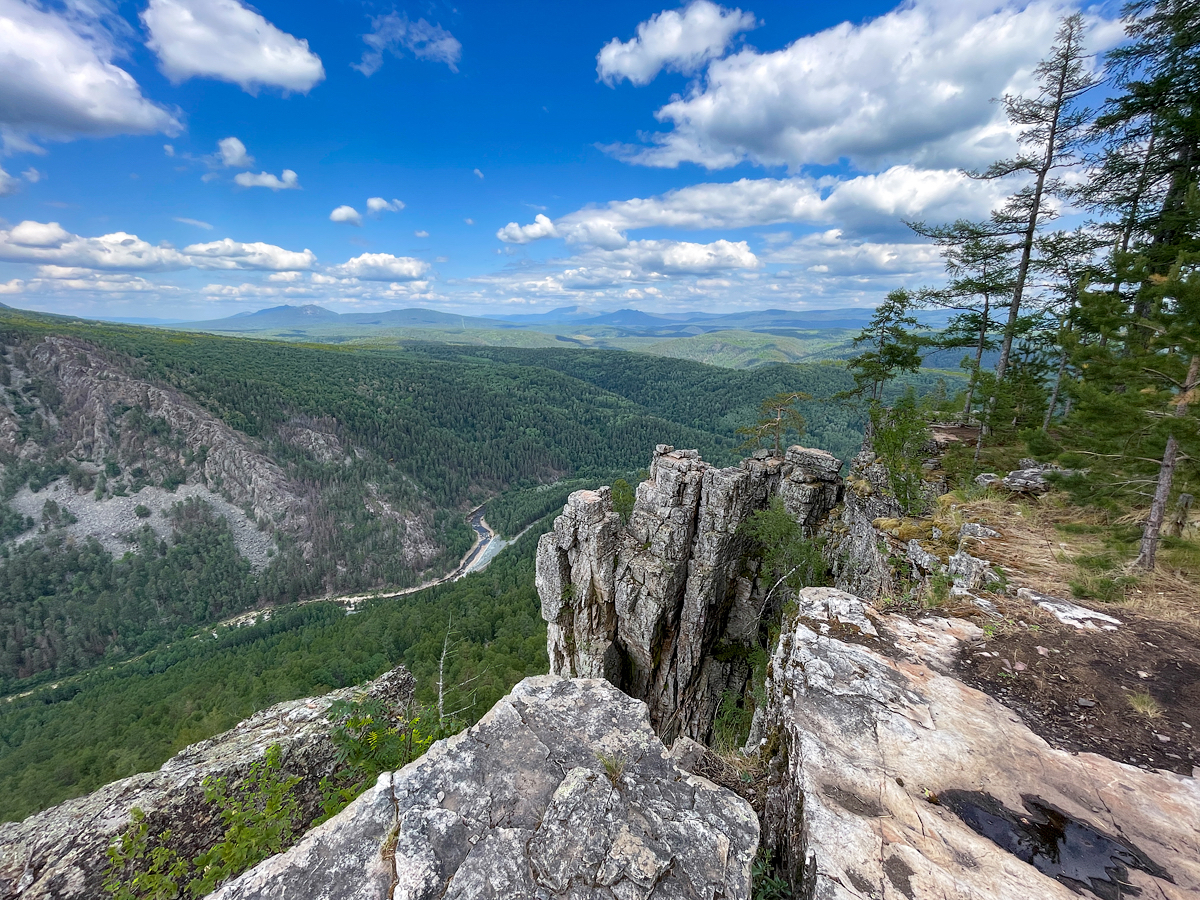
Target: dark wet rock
point(59, 853)
point(561, 791)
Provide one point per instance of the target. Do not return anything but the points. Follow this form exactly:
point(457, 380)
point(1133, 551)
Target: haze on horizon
point(192, 159)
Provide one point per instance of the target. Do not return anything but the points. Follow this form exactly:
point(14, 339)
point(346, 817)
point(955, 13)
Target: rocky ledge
point(60, 852)
point(889, 777)
point(561, 791)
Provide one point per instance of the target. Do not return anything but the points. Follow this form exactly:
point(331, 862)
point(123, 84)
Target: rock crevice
point(647, 604)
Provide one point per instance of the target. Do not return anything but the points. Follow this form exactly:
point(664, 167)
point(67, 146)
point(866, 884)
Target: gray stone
point(970, 572)
point(924, 561)
point(988, 479)
point(561, 791)
point(867, 738)
point(59, 853)
point(644, 604)
point(977, 531)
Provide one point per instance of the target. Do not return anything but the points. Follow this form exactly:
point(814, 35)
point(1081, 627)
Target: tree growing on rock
point(778, 416)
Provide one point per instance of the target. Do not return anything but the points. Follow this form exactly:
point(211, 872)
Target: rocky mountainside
point(60, 853)
point(645, 604)
point(873, 768)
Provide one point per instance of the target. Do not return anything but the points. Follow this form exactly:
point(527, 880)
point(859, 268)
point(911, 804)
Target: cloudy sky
point(197, 158)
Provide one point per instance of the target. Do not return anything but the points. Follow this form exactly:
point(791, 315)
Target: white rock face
point(882, 757)
point(1069, 613)
point(561, 791)
point(645, 605)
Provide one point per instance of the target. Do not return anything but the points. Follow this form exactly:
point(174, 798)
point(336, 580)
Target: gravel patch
point(110, 520)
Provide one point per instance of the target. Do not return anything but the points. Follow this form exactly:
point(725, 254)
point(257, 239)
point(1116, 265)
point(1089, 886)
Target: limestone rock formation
point(646, 604)
point(889, 777)
point(561, 791)
point(59, 853)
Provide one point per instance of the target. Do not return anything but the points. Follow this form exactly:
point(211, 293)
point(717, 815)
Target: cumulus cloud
point(382, 267)
point(60, 80)
point(231, 254)
point(677, 40)
point(421, 234)
point(287, 181)
point(228, 41)
point(911, 85)
point(394, 33)
point(513, 233)
point(866, 204)
point(48, 244)
point(347, 214)
point(32, 175)
point(681, 257)
point(233, 153)
point(199, 224)
point(8, 184)
point(377, 206)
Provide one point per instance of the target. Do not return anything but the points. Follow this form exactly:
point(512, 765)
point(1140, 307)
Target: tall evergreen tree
point(894, 345)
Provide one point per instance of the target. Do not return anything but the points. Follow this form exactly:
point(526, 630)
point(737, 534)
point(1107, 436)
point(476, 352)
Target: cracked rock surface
point(561, 791)
point(645, 604)
point(59, 853)
point(874, 742)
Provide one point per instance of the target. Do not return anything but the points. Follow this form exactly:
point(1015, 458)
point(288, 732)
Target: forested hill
point(306, 469)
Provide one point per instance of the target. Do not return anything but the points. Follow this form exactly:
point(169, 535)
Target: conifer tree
point(895, 346)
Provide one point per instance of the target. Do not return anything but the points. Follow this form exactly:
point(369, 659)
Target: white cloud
point(347, 214)
point(233, 153)
point(12, 286)
point(288, 181)
point(56, 250)
point(199, 224)
point(377, 205)
point(231, 254)
point(226, 40)
point(542, 227)
point(382, 267)
point(469, 221)
point(8, 184)
point(867, 204)
point(421, 234)
point(60, 81)
point(32, 175)
point(832, 253)
point(285, 276)
point(168, 149)
point(394, 33)
point(680, 41)
point(49, 243)
point(480, 174)
point(680, 257)
point(913, 85)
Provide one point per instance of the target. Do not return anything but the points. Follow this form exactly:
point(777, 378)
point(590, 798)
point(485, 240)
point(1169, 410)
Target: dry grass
point(1145, 705)
point(1068, 551)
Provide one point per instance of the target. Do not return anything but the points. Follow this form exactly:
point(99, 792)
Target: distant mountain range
point(566, 319)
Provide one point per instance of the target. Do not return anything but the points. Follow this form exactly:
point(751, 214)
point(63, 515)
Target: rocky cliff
point(60, 853)
point(561, 791)
point(646, 604)
point(889, 777)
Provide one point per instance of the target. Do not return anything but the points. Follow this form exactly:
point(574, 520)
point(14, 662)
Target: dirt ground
point(1132, 694)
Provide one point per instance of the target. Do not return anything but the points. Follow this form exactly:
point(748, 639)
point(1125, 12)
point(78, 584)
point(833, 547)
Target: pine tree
point(895, 345)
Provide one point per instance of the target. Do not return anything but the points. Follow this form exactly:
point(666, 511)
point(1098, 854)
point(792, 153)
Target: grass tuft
point(1145, 705)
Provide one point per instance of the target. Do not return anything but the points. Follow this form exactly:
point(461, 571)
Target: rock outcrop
point(92, 386)
point(561, 791)
point(647, 605)
point(889, 777)
point(59, 853)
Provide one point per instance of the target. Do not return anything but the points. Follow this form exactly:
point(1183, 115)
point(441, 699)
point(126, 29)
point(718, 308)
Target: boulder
point(970, 572)
point(59, 853)
point(888, 777)
point(561, 791)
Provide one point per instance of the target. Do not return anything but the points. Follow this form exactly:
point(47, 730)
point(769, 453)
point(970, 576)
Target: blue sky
point(488, 158)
